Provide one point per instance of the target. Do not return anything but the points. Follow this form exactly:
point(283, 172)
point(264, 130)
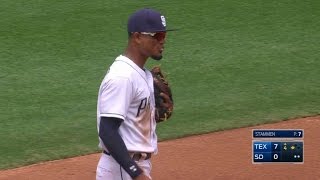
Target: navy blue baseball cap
point(147, 20)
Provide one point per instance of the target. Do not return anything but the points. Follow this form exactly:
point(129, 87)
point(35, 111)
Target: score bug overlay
point(284, 147)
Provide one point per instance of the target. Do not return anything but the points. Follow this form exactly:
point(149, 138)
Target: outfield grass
point(232, 64)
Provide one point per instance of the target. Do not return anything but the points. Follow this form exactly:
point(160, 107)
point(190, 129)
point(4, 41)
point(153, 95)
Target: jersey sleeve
point(115, 97)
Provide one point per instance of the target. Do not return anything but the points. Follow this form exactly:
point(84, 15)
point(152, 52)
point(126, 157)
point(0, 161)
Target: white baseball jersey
point(127, 93)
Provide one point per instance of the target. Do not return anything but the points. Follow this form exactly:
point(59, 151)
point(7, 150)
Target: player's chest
point(143, 92)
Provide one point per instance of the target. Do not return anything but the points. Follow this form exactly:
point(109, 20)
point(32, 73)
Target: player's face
point(154, 44)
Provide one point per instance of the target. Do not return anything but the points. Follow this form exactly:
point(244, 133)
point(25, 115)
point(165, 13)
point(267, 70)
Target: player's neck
point(136, 57)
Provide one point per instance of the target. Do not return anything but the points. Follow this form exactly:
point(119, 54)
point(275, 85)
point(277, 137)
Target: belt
point(137, 156)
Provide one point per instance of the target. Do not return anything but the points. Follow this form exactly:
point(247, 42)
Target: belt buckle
point(143, 156)
point(138, 156)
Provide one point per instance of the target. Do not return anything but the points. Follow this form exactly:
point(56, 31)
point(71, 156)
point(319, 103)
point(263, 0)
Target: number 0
point(275, 156)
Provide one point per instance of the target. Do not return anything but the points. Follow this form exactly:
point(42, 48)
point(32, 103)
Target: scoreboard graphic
point(277, 146)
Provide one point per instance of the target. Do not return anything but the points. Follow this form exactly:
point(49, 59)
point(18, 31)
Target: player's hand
point(142, 176)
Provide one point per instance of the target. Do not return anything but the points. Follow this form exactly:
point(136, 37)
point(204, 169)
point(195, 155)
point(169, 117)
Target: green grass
point(232, 64)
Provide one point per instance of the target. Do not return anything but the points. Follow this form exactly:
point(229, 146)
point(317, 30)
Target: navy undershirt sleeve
point(108, 132)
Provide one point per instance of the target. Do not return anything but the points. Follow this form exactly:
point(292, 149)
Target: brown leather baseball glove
point(162, 94)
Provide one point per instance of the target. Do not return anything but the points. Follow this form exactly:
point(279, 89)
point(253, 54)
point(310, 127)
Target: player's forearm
point(108, 132)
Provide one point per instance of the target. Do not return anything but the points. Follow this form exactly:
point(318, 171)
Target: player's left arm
point(108, 133)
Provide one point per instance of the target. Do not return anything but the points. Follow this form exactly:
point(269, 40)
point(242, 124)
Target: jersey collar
point(133, 65)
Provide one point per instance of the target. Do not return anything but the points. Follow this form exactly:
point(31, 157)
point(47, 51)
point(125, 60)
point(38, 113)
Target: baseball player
point(126, 104)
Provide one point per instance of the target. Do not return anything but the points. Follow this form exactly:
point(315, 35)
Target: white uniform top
point(126, 92)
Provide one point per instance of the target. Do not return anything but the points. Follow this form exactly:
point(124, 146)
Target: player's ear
point(136, 37)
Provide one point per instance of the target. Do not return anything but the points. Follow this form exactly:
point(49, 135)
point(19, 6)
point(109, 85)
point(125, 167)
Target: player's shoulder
point(124, 67)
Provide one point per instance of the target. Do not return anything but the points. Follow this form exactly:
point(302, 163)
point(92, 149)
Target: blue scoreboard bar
point(275, 133)
point(277, 151)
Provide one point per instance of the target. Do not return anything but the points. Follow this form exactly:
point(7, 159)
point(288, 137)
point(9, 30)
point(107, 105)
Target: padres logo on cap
point(163, 19)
